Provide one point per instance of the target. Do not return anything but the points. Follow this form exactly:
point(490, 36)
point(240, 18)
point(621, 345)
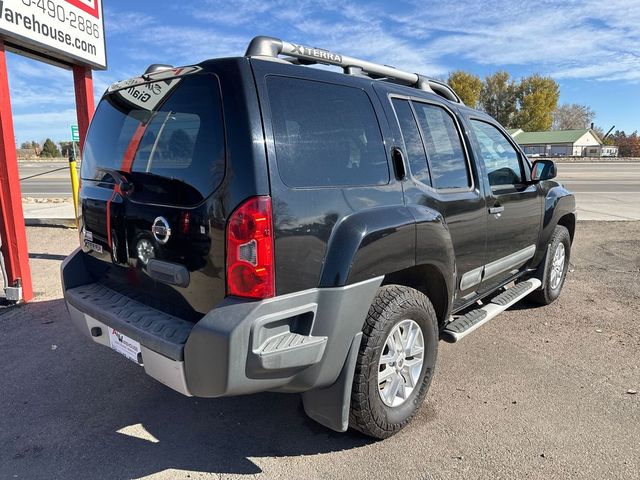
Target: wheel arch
point(559, 209)
point(429, 280)
point(569, 222)
point(369, 243)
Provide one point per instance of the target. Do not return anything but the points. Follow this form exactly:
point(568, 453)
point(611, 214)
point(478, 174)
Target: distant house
point(27, 153)
point(563, 143)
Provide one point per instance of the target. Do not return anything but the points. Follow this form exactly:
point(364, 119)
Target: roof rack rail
point(299, 54)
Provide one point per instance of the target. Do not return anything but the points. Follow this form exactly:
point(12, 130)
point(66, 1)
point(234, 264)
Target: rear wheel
point(556, 266)
point(395, 363)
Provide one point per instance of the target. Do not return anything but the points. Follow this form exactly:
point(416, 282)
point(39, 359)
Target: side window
point(500, 158)
point(413, 142)
point(446, 156)
point(326, 135)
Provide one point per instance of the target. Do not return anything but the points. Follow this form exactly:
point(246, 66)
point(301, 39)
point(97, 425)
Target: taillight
point(250, 250)
point(185, 223)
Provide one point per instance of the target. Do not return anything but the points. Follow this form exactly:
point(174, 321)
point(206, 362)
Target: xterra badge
point(161, 230)
point(317, 53)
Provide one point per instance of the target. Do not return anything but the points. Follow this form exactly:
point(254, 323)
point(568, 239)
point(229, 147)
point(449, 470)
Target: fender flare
point(385, 240)
point(558, 203)
point(368, 244)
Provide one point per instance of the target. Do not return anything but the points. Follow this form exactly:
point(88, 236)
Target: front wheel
point(555, 267)
point(395, 363)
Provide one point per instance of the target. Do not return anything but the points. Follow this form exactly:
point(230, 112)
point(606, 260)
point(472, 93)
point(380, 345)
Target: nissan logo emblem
point(161, 230)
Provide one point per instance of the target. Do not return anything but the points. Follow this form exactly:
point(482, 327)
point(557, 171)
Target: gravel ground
point(536, 393)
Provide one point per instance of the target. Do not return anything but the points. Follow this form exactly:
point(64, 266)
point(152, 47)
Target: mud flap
point(541, 271)
point(330, 406)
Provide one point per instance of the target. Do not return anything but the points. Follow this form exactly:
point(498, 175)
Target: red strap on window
point(132, 148)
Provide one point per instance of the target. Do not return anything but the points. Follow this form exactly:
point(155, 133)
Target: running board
point(465, 324)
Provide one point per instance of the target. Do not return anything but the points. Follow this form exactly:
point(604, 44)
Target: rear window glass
point(172, 129)
point(325, 134)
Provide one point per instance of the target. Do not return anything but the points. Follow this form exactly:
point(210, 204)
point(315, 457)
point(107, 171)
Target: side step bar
point(465, 324)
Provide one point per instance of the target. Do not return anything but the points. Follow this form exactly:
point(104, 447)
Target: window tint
point(178, 136)
point(168, 142)
point(413, 141)
point(325, 134)
point(444, 148)
point(500, 158)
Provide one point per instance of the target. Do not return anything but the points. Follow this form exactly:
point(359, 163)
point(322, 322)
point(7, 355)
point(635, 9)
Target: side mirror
point(543, 170)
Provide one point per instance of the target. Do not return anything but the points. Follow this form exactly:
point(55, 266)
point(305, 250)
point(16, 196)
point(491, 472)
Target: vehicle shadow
point(524, 304)
point(73, 409)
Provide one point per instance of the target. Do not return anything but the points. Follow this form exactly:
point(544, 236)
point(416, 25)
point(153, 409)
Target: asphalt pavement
point(604, 191)
point(49, 179)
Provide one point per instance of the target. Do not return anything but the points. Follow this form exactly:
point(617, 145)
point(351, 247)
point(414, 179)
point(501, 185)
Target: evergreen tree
point(50, 149)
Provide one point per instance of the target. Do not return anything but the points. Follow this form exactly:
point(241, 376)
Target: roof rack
point(270, 47)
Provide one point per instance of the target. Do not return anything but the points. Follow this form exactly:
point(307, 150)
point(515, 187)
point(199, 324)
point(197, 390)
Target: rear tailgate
point(151, 216)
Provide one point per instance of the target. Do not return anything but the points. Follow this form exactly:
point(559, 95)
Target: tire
point(393, 306)
point(551, 282)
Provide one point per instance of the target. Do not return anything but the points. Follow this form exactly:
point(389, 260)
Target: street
point(50, 185)
point(537, 393)
point(604, 191)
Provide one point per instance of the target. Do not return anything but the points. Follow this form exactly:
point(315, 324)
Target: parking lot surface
point(536, 393)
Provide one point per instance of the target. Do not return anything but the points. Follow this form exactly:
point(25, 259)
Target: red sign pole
point(83, 82)
point(12, 229)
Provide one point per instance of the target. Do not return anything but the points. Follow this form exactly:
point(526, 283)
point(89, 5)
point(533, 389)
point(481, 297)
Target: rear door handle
point(398, 163)
point(495, 210)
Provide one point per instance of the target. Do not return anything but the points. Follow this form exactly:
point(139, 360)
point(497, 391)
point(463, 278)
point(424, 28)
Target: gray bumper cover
point(293, 343)
point(229, 351)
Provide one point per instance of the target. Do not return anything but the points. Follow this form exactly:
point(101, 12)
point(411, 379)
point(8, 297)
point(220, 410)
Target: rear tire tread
point(361, 415)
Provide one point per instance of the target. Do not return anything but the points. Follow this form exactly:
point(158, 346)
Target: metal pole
point(74, 183)
point(12, 229)
point(83, 83)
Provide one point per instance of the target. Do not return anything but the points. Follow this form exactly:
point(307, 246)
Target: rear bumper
point(293, 343)
point(164, 369)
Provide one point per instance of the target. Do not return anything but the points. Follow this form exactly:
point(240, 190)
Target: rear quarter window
point(444, 147)
point(325, 135)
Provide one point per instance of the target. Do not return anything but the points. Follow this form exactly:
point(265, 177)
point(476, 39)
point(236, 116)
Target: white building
point(561, 143)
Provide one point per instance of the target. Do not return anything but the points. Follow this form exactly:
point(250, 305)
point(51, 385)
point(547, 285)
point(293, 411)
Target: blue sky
point(591, 47)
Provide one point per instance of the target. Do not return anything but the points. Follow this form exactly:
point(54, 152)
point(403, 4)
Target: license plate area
point(125, 346)
point(93, 246)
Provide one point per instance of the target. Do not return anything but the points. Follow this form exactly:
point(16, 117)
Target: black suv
point(255, 224)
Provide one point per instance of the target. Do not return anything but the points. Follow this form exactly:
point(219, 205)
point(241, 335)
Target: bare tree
point(572, 116)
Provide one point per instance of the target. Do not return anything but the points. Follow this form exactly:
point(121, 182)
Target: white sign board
point(71, 31)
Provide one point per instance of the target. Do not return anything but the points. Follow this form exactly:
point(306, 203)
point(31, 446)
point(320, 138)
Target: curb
point(591, 159)
point(50, 222)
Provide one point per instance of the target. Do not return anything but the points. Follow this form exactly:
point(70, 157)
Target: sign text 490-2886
point(68, 30)
point(65, 15)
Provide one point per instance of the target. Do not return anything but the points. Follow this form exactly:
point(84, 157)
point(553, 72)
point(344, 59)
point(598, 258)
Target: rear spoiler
point(155, 75)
